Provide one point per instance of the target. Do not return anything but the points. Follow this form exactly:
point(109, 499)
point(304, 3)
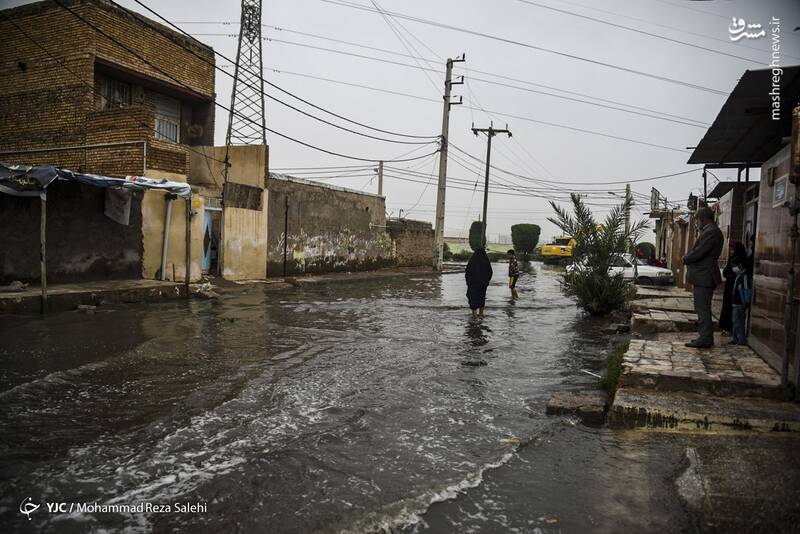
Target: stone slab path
point(648, 292)
point(653, 321)
point(724, 370)
point(665, 304)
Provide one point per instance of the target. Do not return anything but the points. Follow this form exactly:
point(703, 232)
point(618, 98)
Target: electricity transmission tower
point(247, 123)
point(247, 120)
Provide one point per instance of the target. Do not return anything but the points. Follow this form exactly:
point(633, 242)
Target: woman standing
point(737, 255)
point(478, 276)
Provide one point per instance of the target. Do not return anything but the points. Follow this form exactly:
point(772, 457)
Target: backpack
point(745, 292)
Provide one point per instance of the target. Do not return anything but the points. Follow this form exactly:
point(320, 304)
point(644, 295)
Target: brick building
point(139, 101)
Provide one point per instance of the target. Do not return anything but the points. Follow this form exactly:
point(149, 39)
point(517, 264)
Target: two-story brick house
point(106, 92)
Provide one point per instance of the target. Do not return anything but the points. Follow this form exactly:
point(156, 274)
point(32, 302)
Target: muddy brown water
point(349, 407)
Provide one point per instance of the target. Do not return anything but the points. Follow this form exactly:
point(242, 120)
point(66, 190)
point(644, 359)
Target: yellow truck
point(559, 251)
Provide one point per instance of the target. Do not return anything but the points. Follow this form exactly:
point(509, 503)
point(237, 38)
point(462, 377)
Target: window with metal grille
point(111, 93)
point(168, 118)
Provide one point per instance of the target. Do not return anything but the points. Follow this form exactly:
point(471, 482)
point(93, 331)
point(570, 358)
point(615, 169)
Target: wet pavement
point(350, 407)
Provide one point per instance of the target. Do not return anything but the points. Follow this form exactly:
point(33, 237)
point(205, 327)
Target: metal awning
point(722, 188)
point(744, 133)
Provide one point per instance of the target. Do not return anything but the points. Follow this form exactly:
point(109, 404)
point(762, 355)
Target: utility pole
point(438, 255)
point(628, 202)
point(705, 187)
point(380, 178)
point(490, 132)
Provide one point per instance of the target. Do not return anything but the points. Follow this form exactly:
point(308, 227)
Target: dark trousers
point(702, 306)
point(739, 331)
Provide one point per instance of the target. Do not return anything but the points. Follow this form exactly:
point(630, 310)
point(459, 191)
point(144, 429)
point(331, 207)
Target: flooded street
point(348, 407)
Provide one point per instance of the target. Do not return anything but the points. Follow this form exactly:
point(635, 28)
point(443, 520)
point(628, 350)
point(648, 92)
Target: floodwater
point(350, 407)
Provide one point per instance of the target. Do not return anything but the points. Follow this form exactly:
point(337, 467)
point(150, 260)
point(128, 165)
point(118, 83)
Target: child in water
point(513, 273)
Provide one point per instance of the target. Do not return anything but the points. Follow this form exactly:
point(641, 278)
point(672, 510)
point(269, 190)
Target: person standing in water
point(513, 273)
point(478, 275)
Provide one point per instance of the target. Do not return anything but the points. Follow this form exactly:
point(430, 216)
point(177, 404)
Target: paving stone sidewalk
point(649, 321)
point(725, 370)
point(667, 304)
point(649, 292)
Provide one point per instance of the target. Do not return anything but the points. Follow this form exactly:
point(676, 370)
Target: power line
point(406, 45)
point(652, 178)
point(326, 151)
point(649, 112)
point(673, 28)
point(678, 119)
point(606, 106)
point(628, 28)
point(506, 40)
point(261, 78)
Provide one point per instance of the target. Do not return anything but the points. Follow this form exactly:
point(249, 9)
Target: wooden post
point(188, 255)
point(43, 250)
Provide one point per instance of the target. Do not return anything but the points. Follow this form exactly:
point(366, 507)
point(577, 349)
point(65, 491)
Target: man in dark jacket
point(703, 274)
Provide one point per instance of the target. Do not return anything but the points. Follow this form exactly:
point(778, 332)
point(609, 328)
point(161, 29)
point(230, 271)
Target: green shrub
point(596, 290)
point(447, 254)
point(525, 237)
point(476, 235)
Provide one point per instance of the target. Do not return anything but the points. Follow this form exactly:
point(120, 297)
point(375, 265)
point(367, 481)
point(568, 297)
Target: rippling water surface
point(340, 408)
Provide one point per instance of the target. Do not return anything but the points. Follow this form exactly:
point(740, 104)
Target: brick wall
point(50, 114)
point(413, 242)
point(47, 100)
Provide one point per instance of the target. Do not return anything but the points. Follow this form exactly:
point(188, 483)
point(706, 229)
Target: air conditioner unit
point(195, 130)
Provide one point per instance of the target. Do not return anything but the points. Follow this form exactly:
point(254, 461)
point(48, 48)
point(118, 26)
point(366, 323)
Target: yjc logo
point(27, 507)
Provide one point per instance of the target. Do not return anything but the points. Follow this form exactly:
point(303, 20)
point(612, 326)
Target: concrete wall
point(82, 243)
point(412, 241)
point(329, 229)
point(154, 210)
point(244, 254)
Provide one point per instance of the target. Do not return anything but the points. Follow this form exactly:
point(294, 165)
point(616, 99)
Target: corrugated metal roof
point(744, 131)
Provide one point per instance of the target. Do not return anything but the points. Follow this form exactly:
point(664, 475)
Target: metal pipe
point(43, 250)
point(285, 234)
point(165, 248)
point(188, 258)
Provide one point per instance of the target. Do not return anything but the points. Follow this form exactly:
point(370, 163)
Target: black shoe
point(697, 344)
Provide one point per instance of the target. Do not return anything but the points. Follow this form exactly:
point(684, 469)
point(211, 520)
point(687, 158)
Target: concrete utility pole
point(628, 202)
point(380, 178)
point(438, 255)
point(490, 132)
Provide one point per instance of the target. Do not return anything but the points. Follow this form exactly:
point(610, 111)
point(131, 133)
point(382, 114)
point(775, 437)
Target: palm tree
point(598, 244)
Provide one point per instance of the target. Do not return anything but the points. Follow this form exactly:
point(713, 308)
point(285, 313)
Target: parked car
point(635, 270)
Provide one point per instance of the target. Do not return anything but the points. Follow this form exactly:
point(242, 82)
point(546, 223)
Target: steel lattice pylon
point(246, 123)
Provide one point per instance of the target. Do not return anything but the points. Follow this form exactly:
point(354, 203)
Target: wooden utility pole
point(490, 132)
point(438, 255)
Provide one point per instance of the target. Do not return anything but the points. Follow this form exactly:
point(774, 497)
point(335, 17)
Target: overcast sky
point(536, 150)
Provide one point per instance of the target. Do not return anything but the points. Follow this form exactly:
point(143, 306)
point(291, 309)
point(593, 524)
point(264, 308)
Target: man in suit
point(703, 273)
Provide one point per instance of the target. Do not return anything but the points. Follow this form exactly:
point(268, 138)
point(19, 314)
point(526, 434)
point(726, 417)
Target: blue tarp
point(26, 180)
